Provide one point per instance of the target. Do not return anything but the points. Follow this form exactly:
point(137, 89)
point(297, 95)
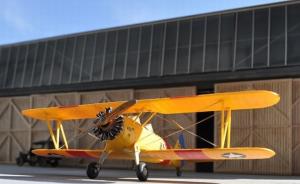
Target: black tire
point(92, 170)
point(53, 162)
point(142, 172)
point(20, 161)
point(178, 172)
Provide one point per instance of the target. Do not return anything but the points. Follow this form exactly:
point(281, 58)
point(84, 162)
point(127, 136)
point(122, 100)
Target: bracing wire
point(186, 128)
point(82, 132)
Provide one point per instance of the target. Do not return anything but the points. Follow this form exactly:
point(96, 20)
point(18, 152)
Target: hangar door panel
point(15, 133)
point(163, 125)
point(88, 142)
point(269, 127)
point(296, 126)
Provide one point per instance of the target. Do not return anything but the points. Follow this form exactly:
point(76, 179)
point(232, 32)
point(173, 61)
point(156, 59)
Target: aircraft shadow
point(60, 178)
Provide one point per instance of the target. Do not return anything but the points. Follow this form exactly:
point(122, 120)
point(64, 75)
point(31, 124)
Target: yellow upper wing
point(201, 103)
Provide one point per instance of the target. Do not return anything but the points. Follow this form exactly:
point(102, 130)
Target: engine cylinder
point(110, 130)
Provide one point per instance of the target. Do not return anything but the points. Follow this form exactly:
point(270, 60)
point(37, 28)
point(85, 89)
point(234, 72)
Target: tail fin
point(180, 144)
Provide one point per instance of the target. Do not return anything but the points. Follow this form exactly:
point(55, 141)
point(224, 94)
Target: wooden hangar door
point(17, 132)
point(268, 127)
point(163, 125)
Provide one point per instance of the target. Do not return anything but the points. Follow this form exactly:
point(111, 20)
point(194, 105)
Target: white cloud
point(13, 14)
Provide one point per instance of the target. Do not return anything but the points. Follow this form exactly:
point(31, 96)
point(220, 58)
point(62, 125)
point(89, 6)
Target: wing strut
point(149, 119)
point(225, 128)
point(59, 129)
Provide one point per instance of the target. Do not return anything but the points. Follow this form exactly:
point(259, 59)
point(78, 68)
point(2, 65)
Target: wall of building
point(18, 132)
point(255, 38)
point(276, 128)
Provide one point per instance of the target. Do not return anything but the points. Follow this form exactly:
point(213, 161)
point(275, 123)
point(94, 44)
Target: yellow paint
point(226, 131)
point(229, 128)
point(52, 135)
point(138, 137)
point(64, 136)
point(200, 103)
point(249, 152)
point(222, 128)
point(149, 119)
point(134, 133)
point(156, 156)
point(59, 129)
point(57, 133)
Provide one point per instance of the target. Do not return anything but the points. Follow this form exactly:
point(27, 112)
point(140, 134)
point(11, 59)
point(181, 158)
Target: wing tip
point(272, 95)
point(268, 152)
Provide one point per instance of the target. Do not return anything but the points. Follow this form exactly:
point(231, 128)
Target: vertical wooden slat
point(25, 135)
point(87, 141)
point(269, 127)
point(163, 127)
point(296, 127)
point(276, 127)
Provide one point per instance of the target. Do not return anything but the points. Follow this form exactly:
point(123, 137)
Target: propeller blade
point(116, 112)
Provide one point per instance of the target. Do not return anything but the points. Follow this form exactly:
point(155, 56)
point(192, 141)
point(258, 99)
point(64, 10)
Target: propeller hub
point(106, 127)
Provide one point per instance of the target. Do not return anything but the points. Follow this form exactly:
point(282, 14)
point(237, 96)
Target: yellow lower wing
point(210, 154)
point(79, 153)
point(206, 154)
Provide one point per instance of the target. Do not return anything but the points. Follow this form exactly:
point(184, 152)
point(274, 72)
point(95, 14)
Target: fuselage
point(134, 133)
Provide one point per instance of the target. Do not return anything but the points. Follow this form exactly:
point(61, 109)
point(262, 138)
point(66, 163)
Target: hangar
point(248, 48)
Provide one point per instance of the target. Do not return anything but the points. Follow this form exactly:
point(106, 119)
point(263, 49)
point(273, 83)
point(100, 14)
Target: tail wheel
point(178, 172)
point(92, 170)
point(142, 172)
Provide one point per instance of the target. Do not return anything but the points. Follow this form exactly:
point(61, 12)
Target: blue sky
point(22, 20)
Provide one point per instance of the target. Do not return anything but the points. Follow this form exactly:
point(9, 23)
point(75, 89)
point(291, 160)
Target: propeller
point(110, 123)
point(107, 125)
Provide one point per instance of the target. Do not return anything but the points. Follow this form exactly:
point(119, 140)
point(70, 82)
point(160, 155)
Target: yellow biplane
point(119, 125)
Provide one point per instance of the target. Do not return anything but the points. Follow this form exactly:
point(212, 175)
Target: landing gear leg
point(141, 169)
point(94, 168)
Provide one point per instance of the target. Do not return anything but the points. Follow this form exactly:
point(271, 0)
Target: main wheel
point(142, 172)
point(178, 172)
point(92, 170)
